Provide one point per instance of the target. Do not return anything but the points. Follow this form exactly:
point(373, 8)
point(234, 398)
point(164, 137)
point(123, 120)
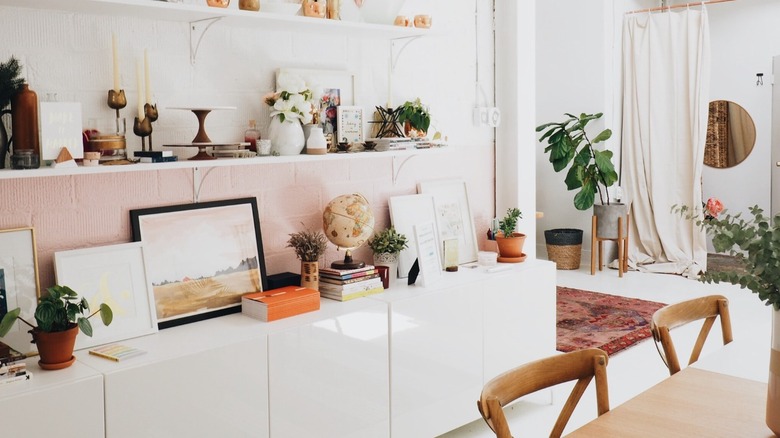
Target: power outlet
point(494, 117)
point(481, 116)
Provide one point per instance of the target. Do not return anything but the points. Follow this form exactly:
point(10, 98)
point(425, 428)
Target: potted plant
point(387, 245)
point(10, 84)
point(590, 170)
point(291, 108)
point(59, 315)
point(309, 247)
point(509, 241)
point(415, 117)
point(755, 244)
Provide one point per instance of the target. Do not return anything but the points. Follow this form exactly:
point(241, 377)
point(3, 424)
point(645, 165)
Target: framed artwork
point(405, 212)
point(19, 284)
point(349, 126)
point(201, 258)
point(61, 127)
point(115, 275)
point(453, 215)
point(332, 88)
point(427, 245)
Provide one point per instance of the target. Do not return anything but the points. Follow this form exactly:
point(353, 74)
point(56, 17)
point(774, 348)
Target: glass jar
point(251, 136)
point(25, 159)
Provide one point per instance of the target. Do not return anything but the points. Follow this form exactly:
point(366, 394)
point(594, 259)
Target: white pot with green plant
point(591, 171)
point(415, 118)
point(387, 245)
point(756, 244)
point(509, 241)
point(60, 314)
point(309, 247)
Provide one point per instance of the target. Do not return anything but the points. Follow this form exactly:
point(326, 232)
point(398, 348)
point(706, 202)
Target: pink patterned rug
point(591, 319)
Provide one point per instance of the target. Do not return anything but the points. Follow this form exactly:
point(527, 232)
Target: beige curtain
point(665, 107)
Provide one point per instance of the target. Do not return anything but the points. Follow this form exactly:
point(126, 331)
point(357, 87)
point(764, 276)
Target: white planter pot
point(286, 137)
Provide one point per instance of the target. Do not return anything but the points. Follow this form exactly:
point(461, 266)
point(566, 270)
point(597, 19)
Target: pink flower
point(714, 206)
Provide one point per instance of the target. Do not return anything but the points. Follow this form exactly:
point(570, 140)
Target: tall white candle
point(390, 82)
point(138, 74)
point(147, 81)
point(115, 55)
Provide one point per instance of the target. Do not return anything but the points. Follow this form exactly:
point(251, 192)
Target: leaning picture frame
point(453, 215)
point(115, 275)
point(201, 257)
point(406, 211)
point(19, 283)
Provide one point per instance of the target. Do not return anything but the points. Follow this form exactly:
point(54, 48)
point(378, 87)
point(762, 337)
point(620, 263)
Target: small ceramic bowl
point(218, 3)
point(402, 21)
point(343, 147)
point(422, 21)
point(369, 145)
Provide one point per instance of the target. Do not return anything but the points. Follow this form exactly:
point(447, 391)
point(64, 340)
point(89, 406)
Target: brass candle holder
point(143, 129)
point(151, 114)
point(116, 100)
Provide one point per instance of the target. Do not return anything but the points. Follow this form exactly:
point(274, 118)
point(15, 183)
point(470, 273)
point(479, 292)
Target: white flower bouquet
point(292, 101)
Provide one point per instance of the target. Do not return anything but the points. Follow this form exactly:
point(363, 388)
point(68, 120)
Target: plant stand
point(622, 244)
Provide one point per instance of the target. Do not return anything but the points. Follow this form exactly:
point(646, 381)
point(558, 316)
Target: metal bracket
point(397, 167)
point(394, 56)
point(197, 182)
point(198, 28)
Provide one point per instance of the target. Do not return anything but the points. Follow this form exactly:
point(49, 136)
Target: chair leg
point(625, 242)
point(593, 247)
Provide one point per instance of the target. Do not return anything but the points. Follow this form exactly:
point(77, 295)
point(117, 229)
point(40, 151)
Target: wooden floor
point(637, 368)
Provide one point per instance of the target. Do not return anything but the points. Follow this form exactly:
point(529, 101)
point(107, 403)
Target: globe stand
point(348, 263)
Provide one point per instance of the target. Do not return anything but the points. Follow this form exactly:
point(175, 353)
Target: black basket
point(563, 236)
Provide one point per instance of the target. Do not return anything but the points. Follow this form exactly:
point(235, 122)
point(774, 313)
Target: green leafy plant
point(388, 241)
point(590, 170)
point(416, 114)
point(755, 242)
point(508, 224)
point(309, 245)
point(57, 311)
point(10, 80)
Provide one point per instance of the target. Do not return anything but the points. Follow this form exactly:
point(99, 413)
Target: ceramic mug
point(422, 21)
point(218, 3)
point(314, 8)
point(402, 21)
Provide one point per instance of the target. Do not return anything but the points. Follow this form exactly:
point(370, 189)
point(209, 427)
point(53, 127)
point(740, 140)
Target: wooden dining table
point(690, 404)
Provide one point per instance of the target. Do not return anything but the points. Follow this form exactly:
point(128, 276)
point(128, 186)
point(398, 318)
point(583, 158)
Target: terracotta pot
point(773, 392)
point(310, 275)
point(56, 348)
point(510, 247)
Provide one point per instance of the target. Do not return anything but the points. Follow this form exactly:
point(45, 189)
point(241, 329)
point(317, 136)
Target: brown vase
point(56, 348)
point(24, 120)
point(511, 247)
point(249, 5)
point(773, 387)
point(310, 275)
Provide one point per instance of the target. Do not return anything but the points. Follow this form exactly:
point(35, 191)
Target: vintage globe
point(348, 223)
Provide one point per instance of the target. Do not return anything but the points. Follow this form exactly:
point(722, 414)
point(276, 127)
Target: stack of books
point(155, 156)
point(13, 368)
point(280, 303)
point(347, 284)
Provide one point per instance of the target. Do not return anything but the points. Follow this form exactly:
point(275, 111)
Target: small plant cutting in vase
point(59, 315)
point(755, 242)
point(415, 117)
point(292, 108)
point(509, 241)
point(309, 246)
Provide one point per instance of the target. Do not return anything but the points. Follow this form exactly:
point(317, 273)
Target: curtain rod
point(666, 8)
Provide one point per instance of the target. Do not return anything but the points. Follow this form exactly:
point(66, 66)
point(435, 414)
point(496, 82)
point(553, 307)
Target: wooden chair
point(597, 245)
point(581, 365)
point(674, 315)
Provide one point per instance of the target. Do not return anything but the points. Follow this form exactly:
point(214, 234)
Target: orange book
point(280, 303)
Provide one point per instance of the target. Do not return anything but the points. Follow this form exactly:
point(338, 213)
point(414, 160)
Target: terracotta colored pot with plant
point(510, 242)
point(60, 315)
point(309, 247)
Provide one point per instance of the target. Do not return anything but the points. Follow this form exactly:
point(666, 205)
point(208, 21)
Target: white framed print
point(427, 253)
point(115, 275)
point(406, 211)
point(349, 127)
point(453, 215)
point(61, 128)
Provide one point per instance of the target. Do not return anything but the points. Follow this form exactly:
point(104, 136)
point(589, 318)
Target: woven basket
point(564, 247)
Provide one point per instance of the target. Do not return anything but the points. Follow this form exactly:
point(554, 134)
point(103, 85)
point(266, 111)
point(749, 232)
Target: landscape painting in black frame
point(201, 258)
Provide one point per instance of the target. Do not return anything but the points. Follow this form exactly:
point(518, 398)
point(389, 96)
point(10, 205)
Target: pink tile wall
point(69, 212)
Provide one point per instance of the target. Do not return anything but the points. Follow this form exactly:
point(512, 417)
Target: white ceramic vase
point(773, 393)
point(286, 137)
point(316, 144)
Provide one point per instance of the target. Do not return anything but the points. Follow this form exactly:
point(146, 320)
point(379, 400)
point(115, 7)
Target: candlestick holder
point(116, 100)
point(143, 129)
point(151, 115)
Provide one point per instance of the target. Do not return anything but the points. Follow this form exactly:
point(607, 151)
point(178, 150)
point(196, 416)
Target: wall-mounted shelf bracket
point(197, 182)
point(198, 28)
point(403, 42)
point(397, 166)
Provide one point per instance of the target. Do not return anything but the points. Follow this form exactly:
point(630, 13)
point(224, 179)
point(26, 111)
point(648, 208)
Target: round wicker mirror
point(731, 135)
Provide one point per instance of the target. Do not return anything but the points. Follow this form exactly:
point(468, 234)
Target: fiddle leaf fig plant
point(590, 170)
point(508, 224)
point(388, 241)
point(57, 311)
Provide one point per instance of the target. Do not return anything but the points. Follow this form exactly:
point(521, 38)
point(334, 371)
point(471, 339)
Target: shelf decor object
point(348, 223)
point(388, 122)
point(19, 286)
point(202, 140)
point(151, 114)
point(201, 258)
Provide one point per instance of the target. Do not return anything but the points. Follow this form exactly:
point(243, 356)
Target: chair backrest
point(581, 365)
point(674, 315)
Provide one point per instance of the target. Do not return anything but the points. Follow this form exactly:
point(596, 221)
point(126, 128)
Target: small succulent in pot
point(388, 241)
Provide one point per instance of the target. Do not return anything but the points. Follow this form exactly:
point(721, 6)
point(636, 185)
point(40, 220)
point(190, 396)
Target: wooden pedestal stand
point(622, 244)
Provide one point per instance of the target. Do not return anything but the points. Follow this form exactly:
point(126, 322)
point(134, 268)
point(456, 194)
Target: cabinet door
point(519, 317)
point(436, 361)
point(329, 379)
point(221, 392)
